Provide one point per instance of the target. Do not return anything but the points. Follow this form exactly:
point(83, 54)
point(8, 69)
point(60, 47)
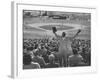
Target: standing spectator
point(64, 46)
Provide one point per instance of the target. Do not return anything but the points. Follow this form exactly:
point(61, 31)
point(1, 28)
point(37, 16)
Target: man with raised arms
point(64, 46)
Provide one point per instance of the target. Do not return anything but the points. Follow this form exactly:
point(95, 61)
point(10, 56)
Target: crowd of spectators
point(40, 53)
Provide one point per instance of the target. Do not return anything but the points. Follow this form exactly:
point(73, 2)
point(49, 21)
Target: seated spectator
point(37, 58)
point(46, 47)
point(44, 54)
point(30, 51)
point(52, 63)
point(28, 64)
point(75, 59)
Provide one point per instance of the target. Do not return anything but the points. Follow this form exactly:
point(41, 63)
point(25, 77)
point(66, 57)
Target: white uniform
point(64, 49)
point(65, 45)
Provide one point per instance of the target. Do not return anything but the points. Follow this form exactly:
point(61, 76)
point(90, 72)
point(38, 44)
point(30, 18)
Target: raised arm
point(54, 31)
point(56, 35)
point(76, 34)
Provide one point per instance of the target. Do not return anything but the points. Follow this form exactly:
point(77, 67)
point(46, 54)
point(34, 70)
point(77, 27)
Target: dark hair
point(54, 29)
point(36, 53)
point(27, 59)
point(51, 57)
point(29, 48)
point(75, 51)
point(63, 34)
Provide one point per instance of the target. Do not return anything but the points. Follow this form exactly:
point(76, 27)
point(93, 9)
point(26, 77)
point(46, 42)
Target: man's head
point(29, 48)
point(51, 58)
point(63, 34)
point(36, 52)
point(75, 52)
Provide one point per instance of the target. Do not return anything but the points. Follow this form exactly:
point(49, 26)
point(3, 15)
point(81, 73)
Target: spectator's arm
point(54, 30)
point(76, 34)
point(82, 59)
point(44, 64)
point(39, 66)
point(57, 36)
